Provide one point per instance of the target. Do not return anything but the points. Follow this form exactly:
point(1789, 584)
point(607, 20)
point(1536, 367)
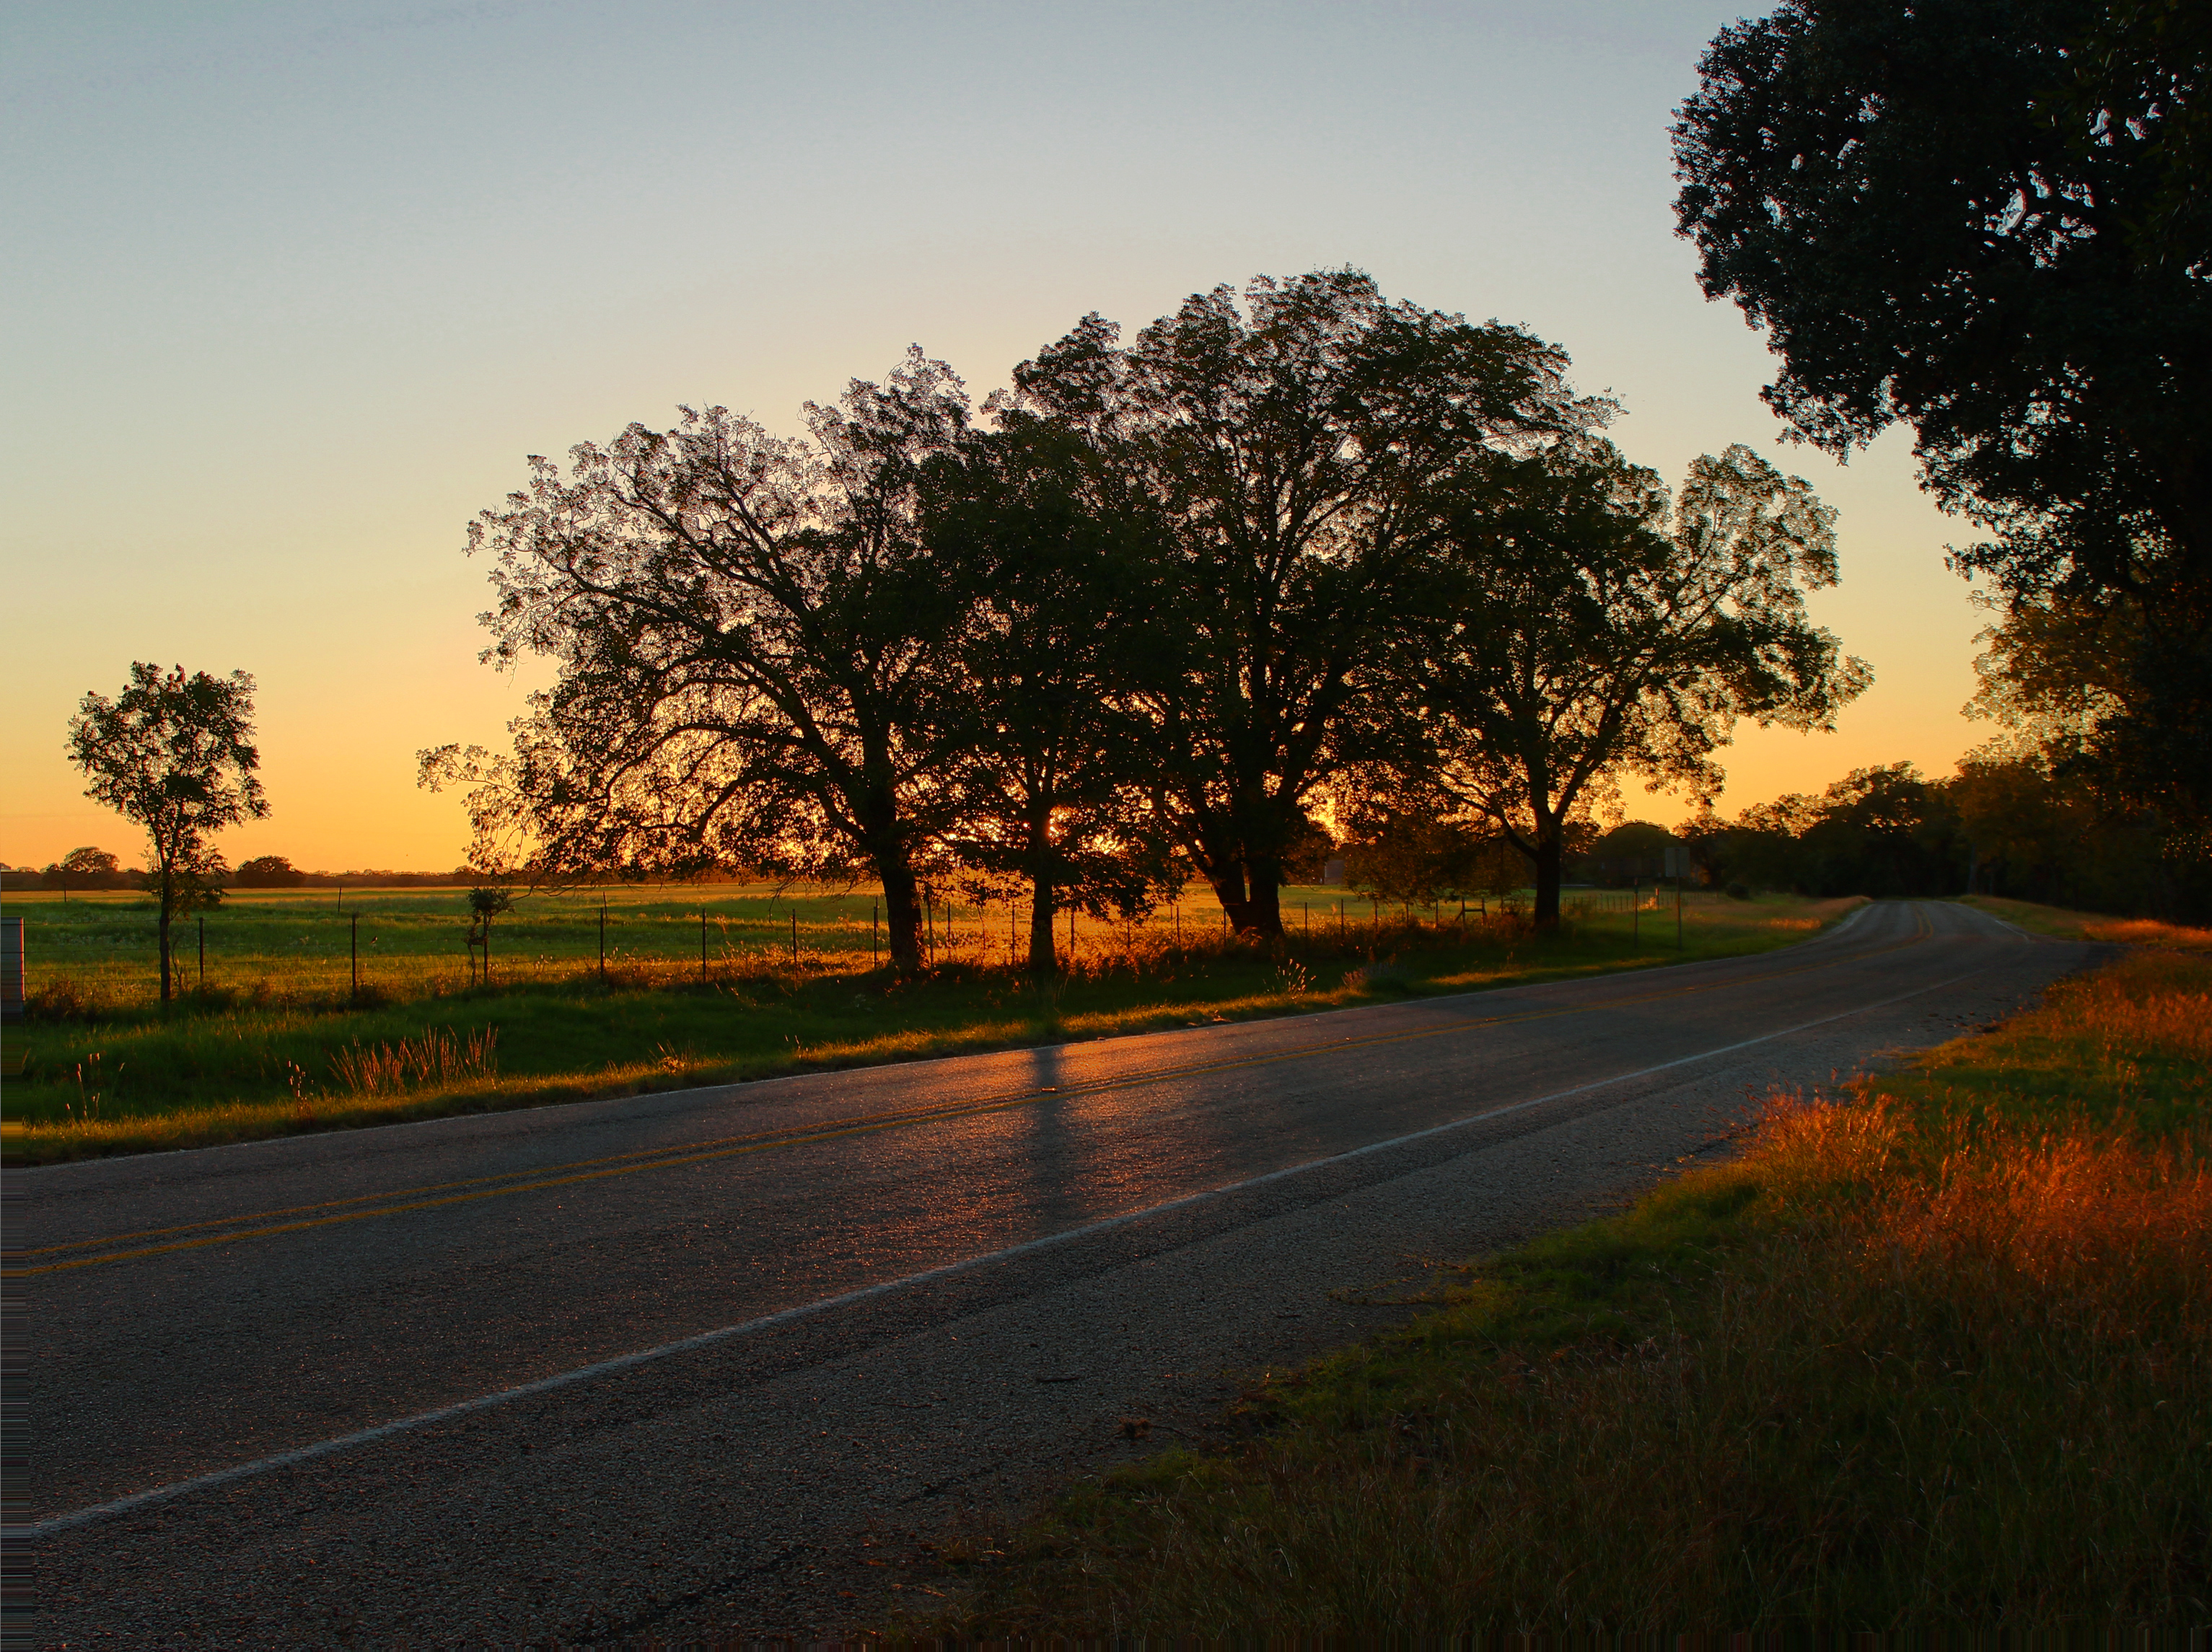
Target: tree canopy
point(1989, 222)
point(1059, 565)
point(268, 871)
point(1590, 628)
point(1294, 436)
point(753, 647)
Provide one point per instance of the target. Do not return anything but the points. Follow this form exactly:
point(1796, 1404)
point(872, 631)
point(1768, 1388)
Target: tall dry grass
point(437, 1057)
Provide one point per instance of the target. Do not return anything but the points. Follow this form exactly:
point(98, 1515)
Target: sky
point(294, 289)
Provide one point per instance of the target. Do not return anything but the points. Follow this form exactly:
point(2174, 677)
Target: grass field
point(278, 1041)
point(1936, 1350)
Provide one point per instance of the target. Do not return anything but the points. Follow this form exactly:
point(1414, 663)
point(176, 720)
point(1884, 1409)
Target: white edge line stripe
point(707, 1339)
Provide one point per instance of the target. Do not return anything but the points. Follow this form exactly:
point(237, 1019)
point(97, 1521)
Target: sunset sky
point(294, 289)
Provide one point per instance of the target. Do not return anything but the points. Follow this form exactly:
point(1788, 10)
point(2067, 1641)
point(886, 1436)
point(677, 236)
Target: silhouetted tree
point(1991, 222)
point(1291, 440)
point(85, 868)
point(1591, 630)
point(1634, 850)
point(1061, 571)
point(268, 871)
point(1401, 848)
point(175, 754)
point(755, 652)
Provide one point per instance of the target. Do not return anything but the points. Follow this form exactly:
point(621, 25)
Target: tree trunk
point(1264, 904)
point(901, 915)
point(1042, 964)
point(1551, 844)
point(1251, 900)
point(168, 899)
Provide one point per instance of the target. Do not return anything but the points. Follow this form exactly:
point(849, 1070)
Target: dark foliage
point(1988, 220)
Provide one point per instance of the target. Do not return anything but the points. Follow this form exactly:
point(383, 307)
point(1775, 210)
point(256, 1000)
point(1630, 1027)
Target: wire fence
point(87, 955)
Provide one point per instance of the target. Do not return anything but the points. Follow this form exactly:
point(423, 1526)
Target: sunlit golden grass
point(1937, 1350)
point(2094, 926)
point(2148, 931)
point(438, 1056)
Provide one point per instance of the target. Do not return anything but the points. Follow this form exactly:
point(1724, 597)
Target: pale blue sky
point(294, 289)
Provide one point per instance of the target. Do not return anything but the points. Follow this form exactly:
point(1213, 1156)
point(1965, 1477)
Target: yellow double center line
point(263, 1225)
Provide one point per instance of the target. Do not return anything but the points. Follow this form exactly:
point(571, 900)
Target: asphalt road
point(696, 1364)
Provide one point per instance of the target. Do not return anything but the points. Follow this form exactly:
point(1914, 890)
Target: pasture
point(699, 984)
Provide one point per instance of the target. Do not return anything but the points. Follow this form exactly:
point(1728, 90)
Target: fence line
point(566, 947)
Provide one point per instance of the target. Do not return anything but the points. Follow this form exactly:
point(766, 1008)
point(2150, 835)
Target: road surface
point(691, 1365)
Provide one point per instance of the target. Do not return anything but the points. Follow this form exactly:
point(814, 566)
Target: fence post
point(794, 938)
point(875, 931)
point(353, 953)
point(12, 983)
point(603, 939)
point(702, 942)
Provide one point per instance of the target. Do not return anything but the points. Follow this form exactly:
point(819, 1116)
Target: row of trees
point(1160, 610)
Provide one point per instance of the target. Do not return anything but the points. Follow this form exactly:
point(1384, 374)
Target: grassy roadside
point(219, 1068)
point(1940, 1349)
point(2063, 925)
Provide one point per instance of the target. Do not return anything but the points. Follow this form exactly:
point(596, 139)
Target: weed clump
point(65, 998)
point(438, 1058)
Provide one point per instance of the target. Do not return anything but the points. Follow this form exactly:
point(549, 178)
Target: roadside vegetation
point(1934, 1348)
point(278, 1040)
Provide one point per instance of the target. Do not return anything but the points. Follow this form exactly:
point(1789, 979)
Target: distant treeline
point(254, 874)
point(2000, 825)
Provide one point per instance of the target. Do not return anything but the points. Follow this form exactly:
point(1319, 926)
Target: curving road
point(697, 1364)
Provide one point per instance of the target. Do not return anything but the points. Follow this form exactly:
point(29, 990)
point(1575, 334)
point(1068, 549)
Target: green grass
point(1937, 1352)
point(276, 1042)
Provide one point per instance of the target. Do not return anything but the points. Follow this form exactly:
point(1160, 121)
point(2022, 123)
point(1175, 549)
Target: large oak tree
point(1059, 563)
point(755, 655)
point(1588, 628)
point(1292, 437)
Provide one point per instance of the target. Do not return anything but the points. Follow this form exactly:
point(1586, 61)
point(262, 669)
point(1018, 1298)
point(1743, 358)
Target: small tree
point(175, 754)
point(486, 902)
